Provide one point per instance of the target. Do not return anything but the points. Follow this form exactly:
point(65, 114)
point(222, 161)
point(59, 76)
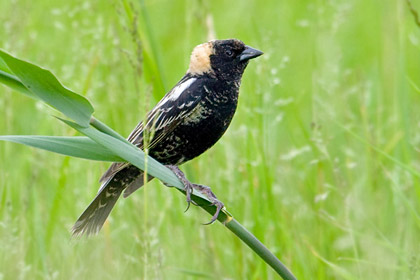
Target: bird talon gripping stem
point(188, 192)
point(189, 187)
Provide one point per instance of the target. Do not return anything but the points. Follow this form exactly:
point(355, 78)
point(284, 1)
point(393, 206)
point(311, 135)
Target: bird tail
point(93, 218)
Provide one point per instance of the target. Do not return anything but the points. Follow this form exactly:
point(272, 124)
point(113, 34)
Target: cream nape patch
point(200, 59)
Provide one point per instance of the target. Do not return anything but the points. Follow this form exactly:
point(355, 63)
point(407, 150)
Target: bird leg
point(189, 187)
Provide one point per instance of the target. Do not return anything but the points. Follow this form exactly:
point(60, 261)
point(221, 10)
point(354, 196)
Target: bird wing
point(174, 107)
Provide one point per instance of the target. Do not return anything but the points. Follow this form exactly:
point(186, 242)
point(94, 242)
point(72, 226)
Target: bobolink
point(185, 123)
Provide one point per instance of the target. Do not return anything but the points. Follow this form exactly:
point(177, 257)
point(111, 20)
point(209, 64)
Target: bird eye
point(229, 52)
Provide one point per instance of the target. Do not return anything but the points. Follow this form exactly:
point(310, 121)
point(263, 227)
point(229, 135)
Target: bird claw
point(188, 192)
point(213, 199)
point(219, 206)
point(189, 188)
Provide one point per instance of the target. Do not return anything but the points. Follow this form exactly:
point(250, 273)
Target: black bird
point(185, 123)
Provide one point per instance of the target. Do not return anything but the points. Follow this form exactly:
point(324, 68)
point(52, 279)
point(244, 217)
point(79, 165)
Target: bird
point(185, 123)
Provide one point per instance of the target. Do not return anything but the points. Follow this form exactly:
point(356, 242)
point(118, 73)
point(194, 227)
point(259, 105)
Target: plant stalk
point(259, 248)
point(248, 238)
point(224, 217)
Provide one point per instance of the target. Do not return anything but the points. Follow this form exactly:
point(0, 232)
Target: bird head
point(222, 58)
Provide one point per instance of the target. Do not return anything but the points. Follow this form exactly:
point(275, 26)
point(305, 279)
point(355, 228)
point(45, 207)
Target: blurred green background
point(321, 161)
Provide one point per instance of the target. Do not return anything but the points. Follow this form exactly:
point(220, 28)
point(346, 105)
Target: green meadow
point(321, 161)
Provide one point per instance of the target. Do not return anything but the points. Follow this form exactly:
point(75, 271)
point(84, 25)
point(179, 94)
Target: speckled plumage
point(202, 127)
point(185, 123)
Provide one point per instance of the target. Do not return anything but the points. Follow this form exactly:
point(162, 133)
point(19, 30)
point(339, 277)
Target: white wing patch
point(172, 96)
point(168, 110)
point(160, 119)
point(178, 90)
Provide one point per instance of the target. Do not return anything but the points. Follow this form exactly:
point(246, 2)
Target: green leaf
point(3, 66)
point(197, 197)
point(82, 147)
point(13, 82)
point(132, 154)
point(46, 87)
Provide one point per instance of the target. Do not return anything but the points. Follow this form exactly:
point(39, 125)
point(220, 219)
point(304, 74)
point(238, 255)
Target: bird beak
point(249, 53)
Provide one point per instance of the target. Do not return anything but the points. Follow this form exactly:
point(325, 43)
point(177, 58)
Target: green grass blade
point(45, 85)
point(81, 147)
point(154, 71)
point(105, 129)
point(14, 83)
point(135, 156)
point(198, 198)
point(130, 153)
point(376, 149)
point(3, 66)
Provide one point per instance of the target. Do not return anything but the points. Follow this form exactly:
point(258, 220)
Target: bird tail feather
point(93, 218)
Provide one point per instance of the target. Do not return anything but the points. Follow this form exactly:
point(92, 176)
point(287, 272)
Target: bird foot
point(189, 187)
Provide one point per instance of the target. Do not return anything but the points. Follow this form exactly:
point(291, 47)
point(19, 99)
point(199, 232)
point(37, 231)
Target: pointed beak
point(249, 53)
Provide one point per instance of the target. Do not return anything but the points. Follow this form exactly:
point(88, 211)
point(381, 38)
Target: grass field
point(321, 162)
